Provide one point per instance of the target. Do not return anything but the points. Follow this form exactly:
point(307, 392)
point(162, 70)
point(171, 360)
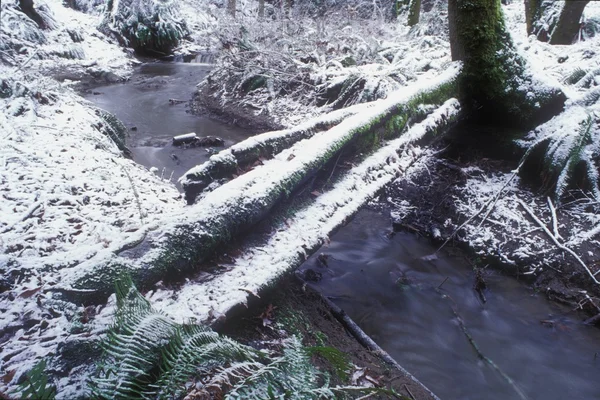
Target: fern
point(574, 76)
point(147, 25)
point(147, 355)
point(36, 385)
point(572, 138)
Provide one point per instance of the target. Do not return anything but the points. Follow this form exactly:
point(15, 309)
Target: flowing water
point(143, 103)
point(391, 292)
point(383, 283)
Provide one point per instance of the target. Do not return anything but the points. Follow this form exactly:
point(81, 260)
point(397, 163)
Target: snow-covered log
point(261, 267)
point(184, 241)
point(390, 114)
point(259, 147)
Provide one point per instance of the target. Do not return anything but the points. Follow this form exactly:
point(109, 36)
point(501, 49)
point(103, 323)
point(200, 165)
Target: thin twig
point(409, 392)
point(332, 171)
point(556, 242)
point(554, 219)
point(480, 354)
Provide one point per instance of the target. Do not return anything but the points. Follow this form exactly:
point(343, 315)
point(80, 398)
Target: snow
point(67, 192)
point(70, 200)
point(309, 228)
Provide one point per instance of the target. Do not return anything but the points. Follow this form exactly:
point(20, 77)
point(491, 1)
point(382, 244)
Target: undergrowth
point(148, 355)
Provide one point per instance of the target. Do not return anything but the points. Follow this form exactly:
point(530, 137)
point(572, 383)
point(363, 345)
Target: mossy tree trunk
point(495, 85)
point(568, 24)
point(532, 13)
point(414, 12)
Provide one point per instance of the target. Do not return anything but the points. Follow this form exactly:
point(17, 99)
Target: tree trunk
point(568, 24)
point(29, 10)
point(488, 87)
point(231, 6)
point(457, 50)
point(177, 247)
point(261, 9)
point(414, 12)
point(532, 13)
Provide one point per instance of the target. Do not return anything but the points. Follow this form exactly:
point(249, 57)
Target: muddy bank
point(447, 204)
point(301, 311)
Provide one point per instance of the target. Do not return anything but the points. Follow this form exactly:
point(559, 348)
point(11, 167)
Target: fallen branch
point(554, 219)
point(478, 351)
point(555, 240)
point(366, 341)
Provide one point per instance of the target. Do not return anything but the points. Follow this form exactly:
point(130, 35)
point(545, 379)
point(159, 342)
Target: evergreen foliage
point(149, 26)
point(571, 143)
point(148, 355)
point(36, 385)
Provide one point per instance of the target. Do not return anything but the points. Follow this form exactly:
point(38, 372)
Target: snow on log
point(308, 229)
point(401, 104)
point(264, 146)
point(190, 237)
point(183, 139)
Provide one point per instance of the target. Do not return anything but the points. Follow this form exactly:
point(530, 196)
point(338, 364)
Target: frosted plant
point(148, 355)
point(569, 140)
point(145, 25)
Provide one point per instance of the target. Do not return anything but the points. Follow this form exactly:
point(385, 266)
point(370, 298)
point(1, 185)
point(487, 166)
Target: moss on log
point(232, 161)
point(186, 240)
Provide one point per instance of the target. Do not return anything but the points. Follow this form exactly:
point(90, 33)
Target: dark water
point(391, 293)
point(143, 102)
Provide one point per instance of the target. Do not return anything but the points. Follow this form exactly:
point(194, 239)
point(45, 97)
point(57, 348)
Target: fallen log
point(232, 161)
point(187, 239)
point(261, 267)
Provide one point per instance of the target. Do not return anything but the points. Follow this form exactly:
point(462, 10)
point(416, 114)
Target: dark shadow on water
point(382, 282)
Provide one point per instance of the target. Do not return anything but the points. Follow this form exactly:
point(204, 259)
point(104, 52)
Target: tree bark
point(568, 24)
point(495, 85)
point(261, 9)
point(28, 8)
point(184, 241)
point(231, 7)
point(532, 13)
point(414, 12)
point(457, 50)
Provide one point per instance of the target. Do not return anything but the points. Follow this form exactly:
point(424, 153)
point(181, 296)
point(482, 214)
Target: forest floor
point(68, 194)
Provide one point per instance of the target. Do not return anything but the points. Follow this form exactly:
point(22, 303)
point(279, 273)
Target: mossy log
point(240, 156)
point(305, 229)
point(185, 240)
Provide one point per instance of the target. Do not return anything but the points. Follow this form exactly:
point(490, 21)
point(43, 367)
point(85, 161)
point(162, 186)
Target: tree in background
point(554, 22)
point(495, 85)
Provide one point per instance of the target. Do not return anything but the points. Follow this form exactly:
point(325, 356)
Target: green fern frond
point(36, 385)
point(337, 359)
point(572, 138)
point(574, 76)
point(147, 355)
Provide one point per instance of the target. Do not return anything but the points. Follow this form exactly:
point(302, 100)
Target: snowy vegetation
point(74, 206)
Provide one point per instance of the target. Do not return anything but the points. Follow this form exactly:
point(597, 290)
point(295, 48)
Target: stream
point(382, 282)
point(386, 287)
point(142, 103)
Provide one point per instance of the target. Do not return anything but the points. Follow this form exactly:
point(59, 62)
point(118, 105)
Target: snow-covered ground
point(67, 191)
point(68, 194)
